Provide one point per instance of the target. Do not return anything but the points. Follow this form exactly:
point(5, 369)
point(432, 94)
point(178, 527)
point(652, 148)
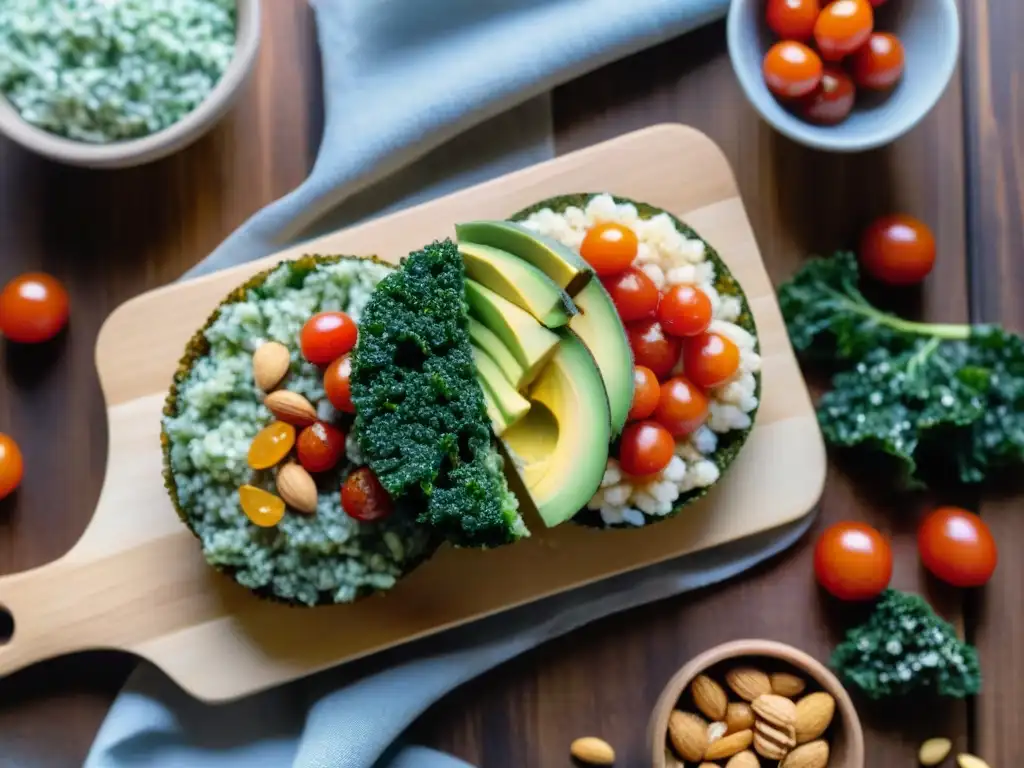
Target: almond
point(748, 683)
point(739, 716)
point(727, 746)
point(744, 759)
point(767, 748)
point(689, 734)
point(934, 751)
point(814, 754)
point(813, 715)
point(593, 751)
point(708, 765)
point(785, 684)
point(970, 761)
point(297, 488)
point(784, 737)
point(291, 407)
point(775, 710)
point(270, 363)
point(709, 697)
point(716, 731)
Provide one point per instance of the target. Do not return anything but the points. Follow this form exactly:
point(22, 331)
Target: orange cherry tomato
point(271, 444)
point(12, 466)
point(364, 498)
point(842, 27)
point(878, 64)
point(791, 69)
point(645, 448)
point(853, 561)
point(710, 359)
point(957, 547)
point(327, 336)
point(685, 310)
point(320, 447)
point(337, 385)
point(261, 507)
point(682, 407)
point(652, 348)
point(832, 101)
point(33, 308)
point(793, 19)
point(634, 294)
point(609, 248)
point(646, 392)
point(898, 250)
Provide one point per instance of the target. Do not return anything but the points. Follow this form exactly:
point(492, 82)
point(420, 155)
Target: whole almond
point(965, 760)
point(934, 751)
point(709, 697)
point(785, 684)
point(689, 734)
point(765, 747)
point(739, 716)
point(785, 737)
point(814, 713)
point(744, 759)
point(748, 683)
point(297, 487)
point(270, 364)
point(775, 710)
point(727, 746)
point(814, 754)
point(291, 407)
point(593, 751)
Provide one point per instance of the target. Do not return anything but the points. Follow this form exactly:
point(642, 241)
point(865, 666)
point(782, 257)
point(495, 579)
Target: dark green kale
point(941, 400)
point(421, 418)
point(905, 648)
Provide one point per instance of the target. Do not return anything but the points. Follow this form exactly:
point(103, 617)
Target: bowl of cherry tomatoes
point(844, 75)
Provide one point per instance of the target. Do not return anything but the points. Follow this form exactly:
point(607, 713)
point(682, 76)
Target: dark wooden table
point(111, 235)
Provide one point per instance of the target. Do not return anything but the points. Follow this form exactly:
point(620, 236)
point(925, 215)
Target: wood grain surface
point(960, 170)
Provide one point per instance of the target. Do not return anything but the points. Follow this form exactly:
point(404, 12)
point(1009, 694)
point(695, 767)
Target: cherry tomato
point(791, 69)
point(645, 448)
point(320, 447)
point(12, 466)
point(710, 359)
point(853, 561)
point(609, 248)
point(652, 348)
point(337, 385)
point(646, 392)
point(364, 498)
point(684, 311)
point(878, 64)
point(793, 19)
point(682, 408)
point(33, 308)
point(898, 250)
point(832, 101)
point(634, 294)
point(327, 336)
point(957, 547)
point(842, 27)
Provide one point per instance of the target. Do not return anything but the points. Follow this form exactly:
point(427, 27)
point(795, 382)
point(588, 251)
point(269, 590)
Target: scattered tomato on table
point(853, 561)
point(327, 336)
point(12, 466)
point(33, 308)
point(957, 547)
point(898, 250)
point(364, 498)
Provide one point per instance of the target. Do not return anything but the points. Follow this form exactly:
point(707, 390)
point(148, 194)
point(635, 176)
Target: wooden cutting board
point(136, 580)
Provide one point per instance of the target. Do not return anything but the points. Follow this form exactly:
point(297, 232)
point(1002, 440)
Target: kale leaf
point(905, 648)
point(421, 419)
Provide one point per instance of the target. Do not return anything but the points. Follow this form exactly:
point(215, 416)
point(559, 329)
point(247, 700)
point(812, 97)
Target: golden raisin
point(262, 507)
point(271, 445)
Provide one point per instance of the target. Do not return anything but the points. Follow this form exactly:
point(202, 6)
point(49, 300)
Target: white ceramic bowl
point(930, 33)
point(122, 154)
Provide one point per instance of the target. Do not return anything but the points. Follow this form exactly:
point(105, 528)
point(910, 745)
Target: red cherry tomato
point(791, 69)
point(878, 64)
point(832, 101)
point(898, 250)
point(320, 447)
point(652, 348)
point(12, 466)
point(684, 311)
point(364, 498)
point(33, 308)
point(682, 408)
point(646, 392)
point(710, 359)
point(842, 27)
point(337, 385)
point(327, 336)
point(634, 294)
point(645, 448)
point(609, 248)
point(793, 19)
point(853, 561)
point(957, 547)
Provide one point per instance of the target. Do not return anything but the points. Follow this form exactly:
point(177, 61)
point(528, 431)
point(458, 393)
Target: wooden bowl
point(845, 736)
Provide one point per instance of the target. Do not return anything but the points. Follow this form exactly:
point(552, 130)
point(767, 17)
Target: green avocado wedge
point(512, 405)
point(484, 337)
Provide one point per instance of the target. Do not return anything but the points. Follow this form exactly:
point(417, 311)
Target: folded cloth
point(421, 98)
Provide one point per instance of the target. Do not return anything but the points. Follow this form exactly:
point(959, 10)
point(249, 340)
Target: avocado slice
point(512, 405)
point(559, 262)
point(519, 282)
point(530, 343)
point(599, 327)
point(564, 438)
point(484, 337)
point(498, 422)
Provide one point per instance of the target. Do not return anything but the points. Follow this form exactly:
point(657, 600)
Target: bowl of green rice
point(117, 83)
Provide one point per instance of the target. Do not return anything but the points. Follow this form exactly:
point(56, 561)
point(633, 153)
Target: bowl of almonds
point(755, 704)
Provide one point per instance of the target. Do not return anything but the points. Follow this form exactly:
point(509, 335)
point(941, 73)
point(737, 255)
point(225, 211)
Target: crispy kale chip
point(421, 419)
point(905, 648)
